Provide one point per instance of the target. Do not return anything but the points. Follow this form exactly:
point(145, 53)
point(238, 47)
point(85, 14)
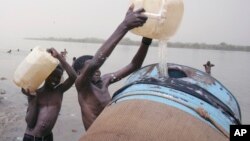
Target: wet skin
point(43, 109)
point(92, 88)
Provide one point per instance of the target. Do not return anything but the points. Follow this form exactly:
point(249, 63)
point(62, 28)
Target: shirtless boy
point(92, 88)
point(44, 107)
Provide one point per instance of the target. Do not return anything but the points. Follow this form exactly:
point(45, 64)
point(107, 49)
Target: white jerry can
point(164, 18)
point(34, 69)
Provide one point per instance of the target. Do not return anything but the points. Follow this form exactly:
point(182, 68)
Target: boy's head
point(79, 62)
point(55, 77)
point(208, 63)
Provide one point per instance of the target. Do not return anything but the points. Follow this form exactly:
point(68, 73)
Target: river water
point(231, 69)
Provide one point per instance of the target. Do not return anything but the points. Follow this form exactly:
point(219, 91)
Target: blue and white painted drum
point(187, 89)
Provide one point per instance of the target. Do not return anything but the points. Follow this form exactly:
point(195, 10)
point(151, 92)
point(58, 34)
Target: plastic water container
point(164, 17)
point(34, 69)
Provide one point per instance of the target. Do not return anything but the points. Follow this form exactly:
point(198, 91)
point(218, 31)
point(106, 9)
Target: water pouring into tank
point(166, 101)
point(164, 18)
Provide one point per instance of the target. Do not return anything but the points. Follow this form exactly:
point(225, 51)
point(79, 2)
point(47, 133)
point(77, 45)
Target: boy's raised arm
point(135, 64)
point(70, 71)
point(132, 19)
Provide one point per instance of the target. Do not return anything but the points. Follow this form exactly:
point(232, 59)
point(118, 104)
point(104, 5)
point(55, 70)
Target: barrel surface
point(142, 120)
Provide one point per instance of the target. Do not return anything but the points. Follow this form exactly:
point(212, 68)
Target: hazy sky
point(204, 21)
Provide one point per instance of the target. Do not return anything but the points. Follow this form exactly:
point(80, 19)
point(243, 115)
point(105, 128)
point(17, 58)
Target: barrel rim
point(173, 64)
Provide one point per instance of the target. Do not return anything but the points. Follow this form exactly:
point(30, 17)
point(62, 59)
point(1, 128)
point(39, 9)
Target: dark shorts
point(28, 137)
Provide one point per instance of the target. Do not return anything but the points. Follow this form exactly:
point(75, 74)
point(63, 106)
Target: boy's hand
point(53, 52)
point(146, 41)
point(134, 18)
point(27, 92)
point(63, 54)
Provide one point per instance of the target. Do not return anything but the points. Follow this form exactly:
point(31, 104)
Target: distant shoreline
point(127, 41)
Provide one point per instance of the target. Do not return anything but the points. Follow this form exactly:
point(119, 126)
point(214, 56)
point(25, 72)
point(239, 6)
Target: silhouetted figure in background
point(9, 51)
point(208, 66)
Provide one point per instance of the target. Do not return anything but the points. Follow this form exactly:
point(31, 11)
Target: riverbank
point(128, 41)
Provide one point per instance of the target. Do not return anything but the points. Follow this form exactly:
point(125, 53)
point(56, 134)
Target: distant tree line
point(128, 41)
point(221, 46)
point(84, 40)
